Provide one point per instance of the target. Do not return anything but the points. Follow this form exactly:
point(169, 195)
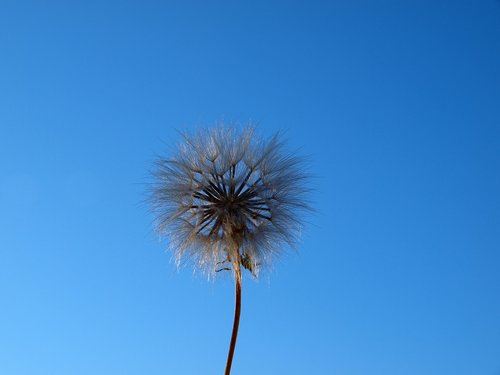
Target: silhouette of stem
point(237, 309)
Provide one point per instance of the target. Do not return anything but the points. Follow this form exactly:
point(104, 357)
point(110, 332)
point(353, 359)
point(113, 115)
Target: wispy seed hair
point(226, 196)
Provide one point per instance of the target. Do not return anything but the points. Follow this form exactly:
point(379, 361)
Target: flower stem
point(236, 323)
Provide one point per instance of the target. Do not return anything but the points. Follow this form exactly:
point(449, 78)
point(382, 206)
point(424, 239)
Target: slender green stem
point(237, 308)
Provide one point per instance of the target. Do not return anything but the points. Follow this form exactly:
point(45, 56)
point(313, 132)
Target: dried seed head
point(227, 196)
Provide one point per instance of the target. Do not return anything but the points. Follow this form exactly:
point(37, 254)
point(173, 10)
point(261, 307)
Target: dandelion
point(229, 200)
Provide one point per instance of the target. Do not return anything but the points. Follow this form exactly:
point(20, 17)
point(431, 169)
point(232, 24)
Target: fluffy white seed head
point(229, 196)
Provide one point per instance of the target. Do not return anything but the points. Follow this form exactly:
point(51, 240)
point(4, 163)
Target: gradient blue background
point(397, 103)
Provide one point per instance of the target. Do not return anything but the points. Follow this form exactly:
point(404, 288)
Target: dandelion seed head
point(227, 195)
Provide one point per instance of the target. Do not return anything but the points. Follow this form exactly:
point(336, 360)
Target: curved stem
point(236, 323)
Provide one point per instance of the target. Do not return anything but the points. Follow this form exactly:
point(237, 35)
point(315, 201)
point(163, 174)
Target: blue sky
point(397, 104)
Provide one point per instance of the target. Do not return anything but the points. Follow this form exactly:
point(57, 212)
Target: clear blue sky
point(397, 103)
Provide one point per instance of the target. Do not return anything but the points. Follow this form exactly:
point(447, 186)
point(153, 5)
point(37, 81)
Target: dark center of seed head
point(229, 204)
